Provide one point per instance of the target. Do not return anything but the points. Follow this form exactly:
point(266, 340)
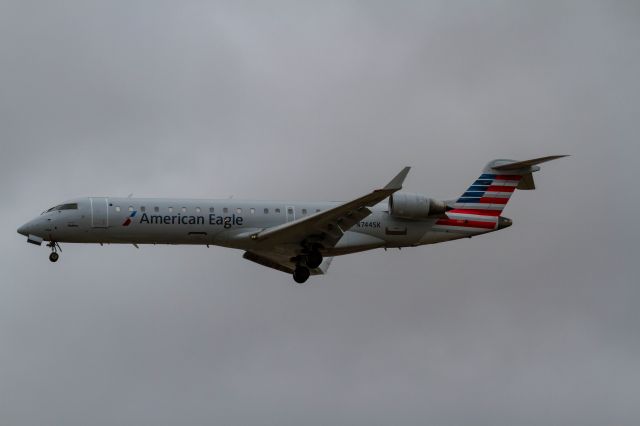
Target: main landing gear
point(313, 259)
point(306, 262)
point(301, 274)
point(54, 256)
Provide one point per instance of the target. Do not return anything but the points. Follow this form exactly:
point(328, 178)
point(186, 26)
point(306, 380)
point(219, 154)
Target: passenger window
point(304, 211)
point(277, 210)
point(197, 209)
point(117, 208)
point(130, 208)
point(170, 209)
point(184, 210)
point(266, 211)
point(225, 210)
point(156, 209)
point(317, 210)
point(239, 210)
point(143, 209)
point(210, 209)
point(290, 210)
point(252, 211)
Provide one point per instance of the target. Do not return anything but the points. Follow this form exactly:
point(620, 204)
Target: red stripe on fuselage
point(476, 211)
point(466, 223)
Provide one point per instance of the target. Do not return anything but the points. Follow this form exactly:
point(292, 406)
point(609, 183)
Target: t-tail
point(479, 208)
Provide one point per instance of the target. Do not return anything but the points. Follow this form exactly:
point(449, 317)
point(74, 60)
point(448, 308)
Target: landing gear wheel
point(54, 251)
point(301, 274)
point(314, 259)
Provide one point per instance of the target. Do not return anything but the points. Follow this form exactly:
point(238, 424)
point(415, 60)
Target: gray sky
point(537, 324)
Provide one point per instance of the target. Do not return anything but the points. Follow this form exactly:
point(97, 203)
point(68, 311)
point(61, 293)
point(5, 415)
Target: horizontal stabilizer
point(527, 163)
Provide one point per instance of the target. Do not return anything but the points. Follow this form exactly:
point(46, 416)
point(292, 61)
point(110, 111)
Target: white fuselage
point(300, 238)
point(224, 222)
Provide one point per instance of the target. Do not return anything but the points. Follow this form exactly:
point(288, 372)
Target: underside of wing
point(284, 263)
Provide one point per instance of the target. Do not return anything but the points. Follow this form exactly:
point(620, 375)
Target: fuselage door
point(99, 212)
point(291, 213)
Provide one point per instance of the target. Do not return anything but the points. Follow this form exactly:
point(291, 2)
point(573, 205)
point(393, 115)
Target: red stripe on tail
point(508, 177)
point(496, 188)
point(491, 200)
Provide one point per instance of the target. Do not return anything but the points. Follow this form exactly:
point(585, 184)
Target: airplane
point(298, 238)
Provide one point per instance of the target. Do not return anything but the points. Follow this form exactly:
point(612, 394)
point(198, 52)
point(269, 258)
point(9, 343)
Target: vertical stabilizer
point(479, 208)
point(490, 193)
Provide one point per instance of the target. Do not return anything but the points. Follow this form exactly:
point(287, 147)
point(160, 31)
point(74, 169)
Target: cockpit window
point(68, 206)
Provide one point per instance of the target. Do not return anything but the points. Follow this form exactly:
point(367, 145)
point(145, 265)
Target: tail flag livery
point(480, 206)
point(488, 195)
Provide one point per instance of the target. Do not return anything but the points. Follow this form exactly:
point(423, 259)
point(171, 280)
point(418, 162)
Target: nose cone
point(504, 222)
point(24, 229)
point(29, 228)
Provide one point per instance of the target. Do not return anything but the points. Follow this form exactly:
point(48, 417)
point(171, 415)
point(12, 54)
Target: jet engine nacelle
point(415, 206)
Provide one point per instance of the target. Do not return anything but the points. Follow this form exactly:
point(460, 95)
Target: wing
point(276, 246)
point(327, 227)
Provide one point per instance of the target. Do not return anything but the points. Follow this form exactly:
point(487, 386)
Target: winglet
point(396, 182)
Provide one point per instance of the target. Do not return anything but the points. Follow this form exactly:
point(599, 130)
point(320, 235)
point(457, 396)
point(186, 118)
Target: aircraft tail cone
point(504, 222)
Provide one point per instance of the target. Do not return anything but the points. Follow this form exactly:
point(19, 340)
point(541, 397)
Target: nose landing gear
point(54, 256)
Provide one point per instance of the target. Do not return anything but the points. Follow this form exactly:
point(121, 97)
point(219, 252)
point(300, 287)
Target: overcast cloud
point(536, 324)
